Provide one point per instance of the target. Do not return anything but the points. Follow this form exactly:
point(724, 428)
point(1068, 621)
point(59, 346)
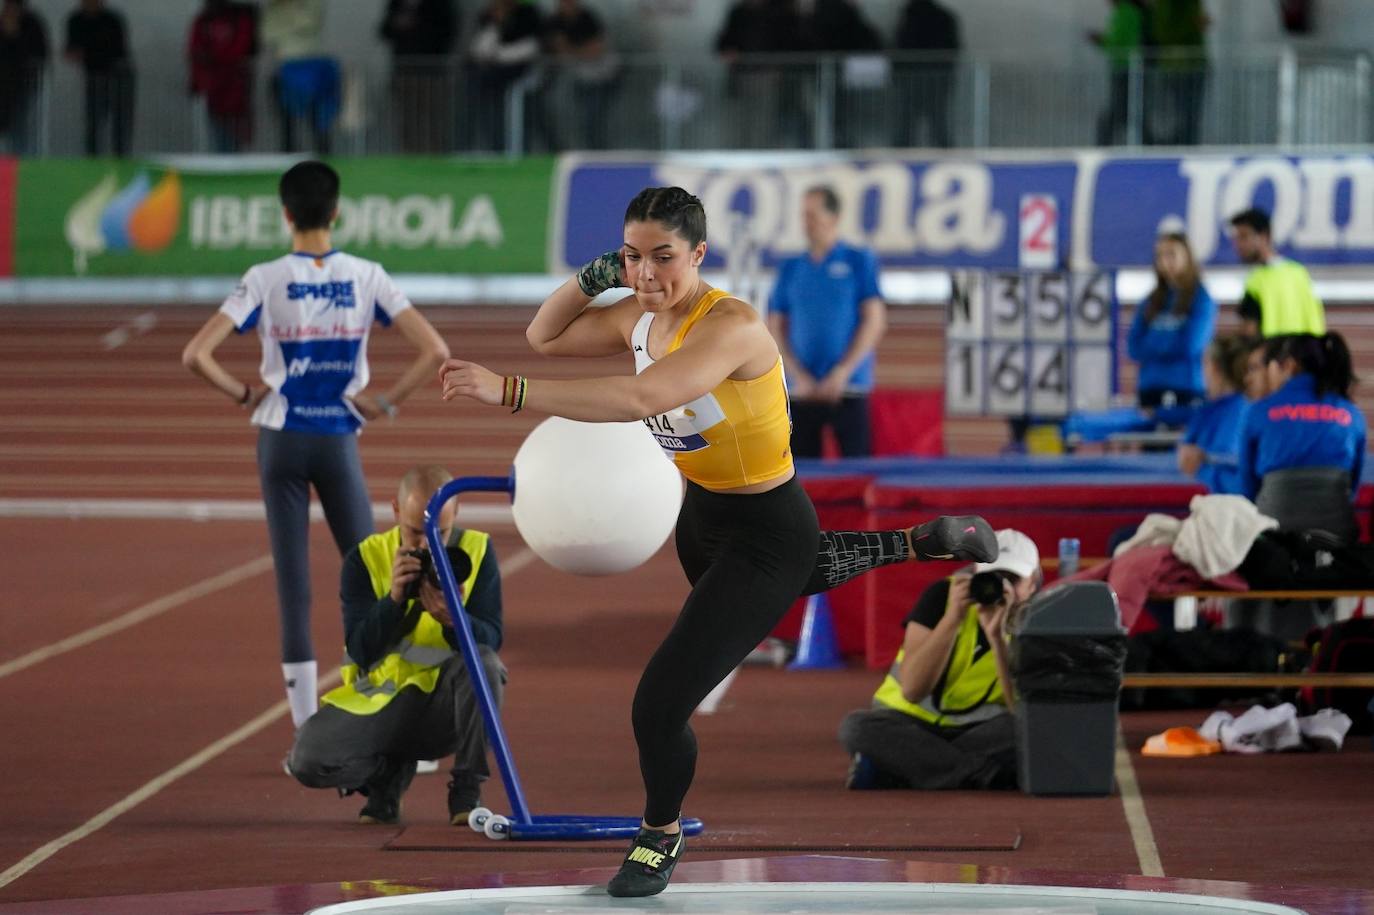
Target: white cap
point(1016, 553)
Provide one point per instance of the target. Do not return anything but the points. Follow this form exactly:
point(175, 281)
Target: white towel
point(1218, 532)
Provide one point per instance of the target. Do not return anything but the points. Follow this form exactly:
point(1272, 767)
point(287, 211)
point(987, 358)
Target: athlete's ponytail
point(1325, 358)
point(673, 208)
point(1338, 371)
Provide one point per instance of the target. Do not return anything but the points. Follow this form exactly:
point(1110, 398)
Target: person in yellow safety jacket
point(406, 694)
point(941, 717)
point(1279, 298)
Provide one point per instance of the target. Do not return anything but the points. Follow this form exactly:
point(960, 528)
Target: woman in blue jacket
point(1209, 446)
point(1171, 329)
point(1302, 447)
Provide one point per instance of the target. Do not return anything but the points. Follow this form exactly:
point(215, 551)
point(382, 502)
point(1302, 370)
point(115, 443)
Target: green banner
point(195, 217)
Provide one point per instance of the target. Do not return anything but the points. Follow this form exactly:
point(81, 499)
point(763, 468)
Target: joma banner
point(981, 211)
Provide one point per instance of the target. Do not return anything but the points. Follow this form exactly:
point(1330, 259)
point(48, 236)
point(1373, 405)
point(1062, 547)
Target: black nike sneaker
point(954, 537)
point(646, 869)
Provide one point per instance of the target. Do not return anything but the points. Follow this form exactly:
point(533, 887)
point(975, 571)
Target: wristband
point(600, 273)
point(389, 408)
point(513, 388)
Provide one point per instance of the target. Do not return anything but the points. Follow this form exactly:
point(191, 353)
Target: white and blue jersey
point(1293, 427)
point(313, 314)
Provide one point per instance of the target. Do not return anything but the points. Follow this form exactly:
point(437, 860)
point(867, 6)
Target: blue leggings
point(289, 463)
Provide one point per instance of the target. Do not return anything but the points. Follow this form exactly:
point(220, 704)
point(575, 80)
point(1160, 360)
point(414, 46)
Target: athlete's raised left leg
point(843, 555)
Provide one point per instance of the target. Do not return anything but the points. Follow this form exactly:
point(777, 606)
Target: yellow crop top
point(736, 435)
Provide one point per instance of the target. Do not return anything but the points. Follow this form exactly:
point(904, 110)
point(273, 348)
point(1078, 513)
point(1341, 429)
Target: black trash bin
point(1068, 652)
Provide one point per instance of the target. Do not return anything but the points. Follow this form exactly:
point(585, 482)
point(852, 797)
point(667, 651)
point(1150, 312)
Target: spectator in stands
point(97, 42)
point(833, 27)
point(576, 39)
point(765, 114)
point(23, 55)
point(1178, 71)
point(421, 34)
point(1121, 41)
point(224, 39)
point(406, 694)
point(1279, 298)
point(1212, 440)
point(307, 82)
point(827, 315)
point(941, 718)
point(1172, 328)
point(504, 48)
point(925, 84)
point(1302, 446)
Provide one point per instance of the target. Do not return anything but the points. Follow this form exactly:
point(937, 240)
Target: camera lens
point(986, 588)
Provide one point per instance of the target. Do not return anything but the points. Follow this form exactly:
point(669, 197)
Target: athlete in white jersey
point(313, 314)
point(313, 310)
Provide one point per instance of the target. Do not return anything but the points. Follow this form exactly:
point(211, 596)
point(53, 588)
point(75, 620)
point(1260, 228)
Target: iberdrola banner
point(203, 217)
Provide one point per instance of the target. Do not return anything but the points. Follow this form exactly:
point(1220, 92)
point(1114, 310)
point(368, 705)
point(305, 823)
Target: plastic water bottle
point(1068, 556)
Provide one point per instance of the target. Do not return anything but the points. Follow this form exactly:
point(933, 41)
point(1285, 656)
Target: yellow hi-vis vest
point(972, 692)
point(1288, 305)
point(417, 657)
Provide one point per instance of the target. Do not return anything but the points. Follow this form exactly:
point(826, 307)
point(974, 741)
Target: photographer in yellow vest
point(406, 695)
point(941, 718)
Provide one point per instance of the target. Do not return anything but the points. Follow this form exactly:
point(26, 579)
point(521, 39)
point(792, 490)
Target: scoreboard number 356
point(1030, 342)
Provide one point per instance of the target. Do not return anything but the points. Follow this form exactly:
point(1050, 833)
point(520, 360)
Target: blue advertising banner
point(1321, 207)
point(1078, 211)
point(936, 213)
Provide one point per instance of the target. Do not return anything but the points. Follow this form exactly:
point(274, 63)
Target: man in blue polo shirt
point(827, 316)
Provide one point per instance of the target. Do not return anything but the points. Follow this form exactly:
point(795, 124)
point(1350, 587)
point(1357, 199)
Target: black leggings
point(748, 558)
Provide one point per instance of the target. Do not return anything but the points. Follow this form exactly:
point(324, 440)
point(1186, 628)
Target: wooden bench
point(1246, 680)
point(1186, 603)
point(1185, 617)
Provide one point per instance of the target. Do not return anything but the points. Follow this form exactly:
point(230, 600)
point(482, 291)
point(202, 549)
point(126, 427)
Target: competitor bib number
point(675, 433)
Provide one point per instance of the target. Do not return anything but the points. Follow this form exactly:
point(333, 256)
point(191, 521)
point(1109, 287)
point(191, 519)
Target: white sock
point(300, 690)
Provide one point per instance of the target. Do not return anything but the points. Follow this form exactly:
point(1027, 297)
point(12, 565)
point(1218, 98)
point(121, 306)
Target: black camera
point(986, 588)
point(458, 559)
point(426, 571)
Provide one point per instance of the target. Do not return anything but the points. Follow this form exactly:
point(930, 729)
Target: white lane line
point(128, 330)
point(139, 614)
point(209, 510)
point(189, 765)
point(1142, 836)
point(129, 802)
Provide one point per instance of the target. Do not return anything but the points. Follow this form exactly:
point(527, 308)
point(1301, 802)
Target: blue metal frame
point(523, 825)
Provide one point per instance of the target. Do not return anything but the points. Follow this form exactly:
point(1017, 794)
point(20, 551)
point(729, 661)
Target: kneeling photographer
point(941, 717)
point(406, 695)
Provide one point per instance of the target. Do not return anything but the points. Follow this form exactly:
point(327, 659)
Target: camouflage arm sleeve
point(600, 273)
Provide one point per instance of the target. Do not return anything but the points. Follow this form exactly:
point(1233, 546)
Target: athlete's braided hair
point(673, 208)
